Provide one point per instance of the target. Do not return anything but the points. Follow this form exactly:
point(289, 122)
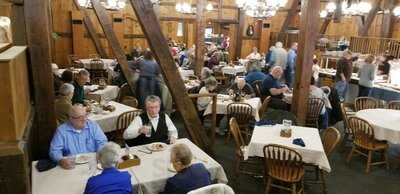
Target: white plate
point(157, 146)
point(171, 168)
point(99, 166)
point(82, 159)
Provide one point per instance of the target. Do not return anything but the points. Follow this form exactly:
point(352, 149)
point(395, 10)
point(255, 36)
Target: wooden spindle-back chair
point(314, 109)
point(395, 105)
point(243, 113)
point(362, 103)
point(123, 121)
point(264, 106)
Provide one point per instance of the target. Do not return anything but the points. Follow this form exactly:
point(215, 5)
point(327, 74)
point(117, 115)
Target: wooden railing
point(375, 45)
point(213, 114)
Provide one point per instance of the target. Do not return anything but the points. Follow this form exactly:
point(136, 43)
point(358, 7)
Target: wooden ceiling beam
point(119, 53)
point(370, 18)
point(158, 44)
point(91, 30)
point(337, 16)
point(309, 22)
point(326, 23)
point(294, 8)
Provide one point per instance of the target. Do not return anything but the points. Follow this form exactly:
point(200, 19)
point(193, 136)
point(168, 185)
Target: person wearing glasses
point(77, 135)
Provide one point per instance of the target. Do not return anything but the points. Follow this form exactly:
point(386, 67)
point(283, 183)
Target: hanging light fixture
point(323, 14)
point(356, 7)
point(396, 11)
point(331, 7)
point(108, 4)
point(209, 7)
point(260, 8)
point(184, 8)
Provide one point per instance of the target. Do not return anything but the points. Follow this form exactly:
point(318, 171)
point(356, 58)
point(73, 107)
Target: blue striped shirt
point(69, 141)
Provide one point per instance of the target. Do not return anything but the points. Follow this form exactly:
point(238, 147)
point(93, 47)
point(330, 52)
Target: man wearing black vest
point(161, 128)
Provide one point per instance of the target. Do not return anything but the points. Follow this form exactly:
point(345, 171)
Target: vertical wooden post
point(37, 29)
point(118, 27)
point(158, 44)
point(308, 35)
point(200, 30)
point(119, 53)
point(91, 30)
point(240, 30)
point(264, 37)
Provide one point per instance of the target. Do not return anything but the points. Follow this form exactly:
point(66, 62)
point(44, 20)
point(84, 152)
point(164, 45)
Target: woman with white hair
point(63, 103)
point(241, 87)
point(110, 180)
point(189, 176)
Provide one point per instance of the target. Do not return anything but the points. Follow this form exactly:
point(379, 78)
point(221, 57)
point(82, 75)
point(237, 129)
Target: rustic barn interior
point(200, 96)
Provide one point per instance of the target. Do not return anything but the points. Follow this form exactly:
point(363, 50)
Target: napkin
point(299, 142)
point(265, 122)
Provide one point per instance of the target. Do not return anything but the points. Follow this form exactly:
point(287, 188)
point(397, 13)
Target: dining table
point(312, 153)
point(224, 100)
point(386, 123)
point(234, 70)
point(109, 93)
point(108, 120)
point(149, 177)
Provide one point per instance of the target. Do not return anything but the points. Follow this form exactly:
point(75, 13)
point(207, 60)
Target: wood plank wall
point(131, 35)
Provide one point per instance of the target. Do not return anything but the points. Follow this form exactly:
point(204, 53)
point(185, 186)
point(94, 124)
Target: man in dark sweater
point(79, 92)
point(344, 70)
point(151, 126)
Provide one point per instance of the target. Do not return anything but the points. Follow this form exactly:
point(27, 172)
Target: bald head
point(277, 72)
point(278, 45)
point(78, 116)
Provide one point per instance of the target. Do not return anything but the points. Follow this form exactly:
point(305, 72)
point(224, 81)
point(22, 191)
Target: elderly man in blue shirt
point(78, 135)
point(291, 64)
point(271, 86)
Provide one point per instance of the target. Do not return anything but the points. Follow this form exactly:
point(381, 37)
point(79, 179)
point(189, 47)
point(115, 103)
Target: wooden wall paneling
point(118, 27)
point(264, 37)
point(308, 36)
point(233, 37)
point(200, 29)
point(119, 53)
point(18, 24)
point(159, 46)
point(39, 46)
point(78, 32)
point(191, 34)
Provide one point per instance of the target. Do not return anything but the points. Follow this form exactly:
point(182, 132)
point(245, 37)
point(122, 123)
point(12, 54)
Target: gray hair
point(211, 81)
point(206, 72)
point(152, 98)
point(84, 72)
point(66, 89)
point(76, 108)
point(278, 45)
point(181, 153)
point(109, 155)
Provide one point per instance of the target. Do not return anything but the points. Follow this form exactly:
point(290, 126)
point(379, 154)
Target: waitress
point(148, 83)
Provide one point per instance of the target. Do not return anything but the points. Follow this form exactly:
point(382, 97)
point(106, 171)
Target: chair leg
point(324, 190)
point(268, 187)
point(350, 154)
point(369, 161)
point(386, 158)
point(294, 189)
point(228, 137)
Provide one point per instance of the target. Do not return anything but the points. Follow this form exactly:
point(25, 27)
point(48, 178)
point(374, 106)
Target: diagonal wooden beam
point(326, 23)
point(291, 13)
point(308, 36)
point(151, 27)
point(119, 53)
point(91, 30)
point(388, 19)
point(370, 18)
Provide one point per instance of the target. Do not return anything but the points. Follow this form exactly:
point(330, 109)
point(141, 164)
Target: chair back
point(330, 138)
point(257, 88)
point(98, 81)
point(125, 90)
point(124, 120)
point(344, 107)
point(264, 106)
point(237, 135)
point(130, 101)
point(193, 77)
point(363, 133)
point(314, 109)
point(213, 189)
point(395, 105)
point(283, 163)
point(362, 103)
point(241, 111)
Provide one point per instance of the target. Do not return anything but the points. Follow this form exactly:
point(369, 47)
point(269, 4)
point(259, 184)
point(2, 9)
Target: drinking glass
point(148, 127)
point(286, 124)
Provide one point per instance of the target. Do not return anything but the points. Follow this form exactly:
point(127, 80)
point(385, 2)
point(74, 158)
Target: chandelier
point(260, 8)
point(355, 8)
point(186, 8)
point(108, 4)
point(396, 11)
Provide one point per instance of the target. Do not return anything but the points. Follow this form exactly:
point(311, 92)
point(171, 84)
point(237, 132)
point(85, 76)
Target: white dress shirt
point(133, 129)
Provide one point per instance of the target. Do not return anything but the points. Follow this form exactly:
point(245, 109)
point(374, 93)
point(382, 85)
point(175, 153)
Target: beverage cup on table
point(148, 130)
point(71, 161)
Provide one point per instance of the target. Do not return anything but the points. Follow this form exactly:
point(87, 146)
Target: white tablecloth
point(151, 175)
point(108, 63)
point(186, 73)
point(312, 153)
point(108, 122)
point(233, 70)
point(75, 70)
point(108, 94)
point(386, 123)
point(255, 103)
